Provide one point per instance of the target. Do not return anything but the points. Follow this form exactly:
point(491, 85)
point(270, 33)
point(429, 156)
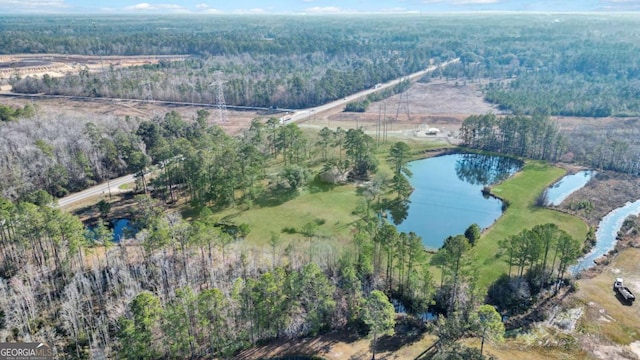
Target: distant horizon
point(423, 13)
point(315, 7)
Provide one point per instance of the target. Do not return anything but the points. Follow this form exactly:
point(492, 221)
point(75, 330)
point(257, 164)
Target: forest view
point(195, 277)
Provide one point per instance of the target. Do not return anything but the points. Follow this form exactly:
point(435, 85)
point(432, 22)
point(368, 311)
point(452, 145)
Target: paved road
point(307, 113)
point(96, 190)
point(296, 116)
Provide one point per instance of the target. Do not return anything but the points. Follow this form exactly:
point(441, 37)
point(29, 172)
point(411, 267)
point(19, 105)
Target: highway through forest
point(303, 114)
point(112, 185)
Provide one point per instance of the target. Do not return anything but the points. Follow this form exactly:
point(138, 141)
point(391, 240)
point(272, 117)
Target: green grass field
point(331, 207)
point(521, 191)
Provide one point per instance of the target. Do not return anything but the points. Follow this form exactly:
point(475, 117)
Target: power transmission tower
point(105, 76)
point(148, 95)
point(218, 83)
point(403, 105)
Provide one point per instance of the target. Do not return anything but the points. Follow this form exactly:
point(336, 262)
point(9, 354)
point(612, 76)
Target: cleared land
point(238, 120)
point(57, 65)
point(441, 104)
point(610, 327)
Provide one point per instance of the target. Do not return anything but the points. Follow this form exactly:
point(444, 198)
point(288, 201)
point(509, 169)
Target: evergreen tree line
point(557, 69)
point(535, 137)
point(214, 168)
point(262, 80)
point(608, 148)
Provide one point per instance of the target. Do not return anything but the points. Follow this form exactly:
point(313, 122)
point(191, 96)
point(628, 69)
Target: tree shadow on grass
point(301, 348)
point(272, 199)
point(319, 186)
point(406, 334)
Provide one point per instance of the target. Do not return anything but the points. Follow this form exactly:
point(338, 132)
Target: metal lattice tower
point(148, 94)
point(218, 83)
point(403, 105)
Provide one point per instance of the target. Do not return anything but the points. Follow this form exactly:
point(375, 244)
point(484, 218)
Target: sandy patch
point(635, 348)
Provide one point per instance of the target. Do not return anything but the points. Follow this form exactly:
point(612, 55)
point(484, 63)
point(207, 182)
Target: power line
point(218, 83)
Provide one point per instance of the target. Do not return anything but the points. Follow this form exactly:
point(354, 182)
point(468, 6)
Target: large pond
point(606, 234)
point(559, 191)
point(448, 195)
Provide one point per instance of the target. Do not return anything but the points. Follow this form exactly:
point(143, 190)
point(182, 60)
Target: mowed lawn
point(330, 207)
point(521, 191)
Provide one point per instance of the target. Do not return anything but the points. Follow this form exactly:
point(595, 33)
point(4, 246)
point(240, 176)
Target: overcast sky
point(308, 6)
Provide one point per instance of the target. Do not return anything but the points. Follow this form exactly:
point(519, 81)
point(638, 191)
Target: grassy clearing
point(521, 191)
point(514, 349)
point(605, 316)
point(330, 207)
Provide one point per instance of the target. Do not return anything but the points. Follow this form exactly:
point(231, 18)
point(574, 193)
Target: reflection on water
point(399, 210)
point(606, 234)
point(478, 169)
point(559, 191)
point(121, 229)
point(448, 195)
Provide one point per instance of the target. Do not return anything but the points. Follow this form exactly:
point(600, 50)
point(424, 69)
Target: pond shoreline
point(450, 193)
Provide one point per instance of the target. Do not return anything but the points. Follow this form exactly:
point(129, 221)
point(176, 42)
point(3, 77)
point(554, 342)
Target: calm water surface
point(559, 191)
point(119, 227)
point(448, 195)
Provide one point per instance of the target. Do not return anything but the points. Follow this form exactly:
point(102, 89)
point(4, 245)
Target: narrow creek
point(606, 235)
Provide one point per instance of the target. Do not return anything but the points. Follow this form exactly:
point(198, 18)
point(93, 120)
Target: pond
point(559, 191)
point(448, 195)
point(119, 228)
point(606, 234)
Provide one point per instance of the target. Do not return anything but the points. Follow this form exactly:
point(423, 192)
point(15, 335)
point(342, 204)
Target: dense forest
point(548, 64)
point(180, 282)
point(184, 276)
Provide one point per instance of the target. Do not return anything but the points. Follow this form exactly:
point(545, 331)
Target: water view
point(448, 195)
point(119, 228)
point(606, 234)
point(559, 191)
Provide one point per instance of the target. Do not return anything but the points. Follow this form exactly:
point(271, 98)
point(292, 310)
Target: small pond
point(606, 234)
point(122, 228)
point(448, 195)
point(559, 191)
